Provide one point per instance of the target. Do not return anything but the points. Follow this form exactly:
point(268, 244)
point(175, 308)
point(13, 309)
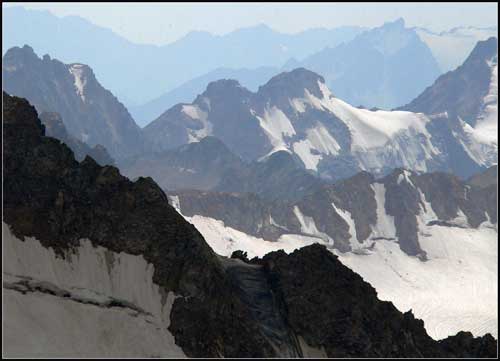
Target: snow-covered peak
point(369, 129)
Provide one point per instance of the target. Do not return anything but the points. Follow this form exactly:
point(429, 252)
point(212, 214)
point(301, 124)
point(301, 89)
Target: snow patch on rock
point(77, 70)
point(205, 128)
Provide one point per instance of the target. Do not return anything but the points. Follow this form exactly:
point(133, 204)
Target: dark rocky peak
point(90, 112)
point(25, 53)
point(16, 58)
point(483, 51)
point(224, 89)
point(282, 159)
point(292, 84)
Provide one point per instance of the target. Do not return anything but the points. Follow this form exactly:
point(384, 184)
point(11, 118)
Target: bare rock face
point(89, 112)
point(59, 201)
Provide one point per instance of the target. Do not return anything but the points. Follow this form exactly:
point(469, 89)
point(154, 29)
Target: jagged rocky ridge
point(89, 112)
point(60, 202)
point(351, 214)
point(297, 113)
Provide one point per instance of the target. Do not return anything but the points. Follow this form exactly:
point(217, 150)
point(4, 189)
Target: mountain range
point(449, 126)
point(388, 76)
point(383, 67)
point(280, 213)
point(80, 234)
point(133, 84)
point(296, 112)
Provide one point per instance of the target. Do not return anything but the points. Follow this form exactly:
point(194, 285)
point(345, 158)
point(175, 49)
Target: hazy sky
point(160, 23)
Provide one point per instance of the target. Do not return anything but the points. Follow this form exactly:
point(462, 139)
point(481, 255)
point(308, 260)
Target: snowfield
point(455, 290)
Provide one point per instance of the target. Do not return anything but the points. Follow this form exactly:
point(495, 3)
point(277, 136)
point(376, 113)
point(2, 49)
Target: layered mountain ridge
point(296, 112)
point(351, 214)
point(375, 68)
point(72, 214)
point(134, 84)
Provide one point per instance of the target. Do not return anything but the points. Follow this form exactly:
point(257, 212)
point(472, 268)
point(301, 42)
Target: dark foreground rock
point(308, 295)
